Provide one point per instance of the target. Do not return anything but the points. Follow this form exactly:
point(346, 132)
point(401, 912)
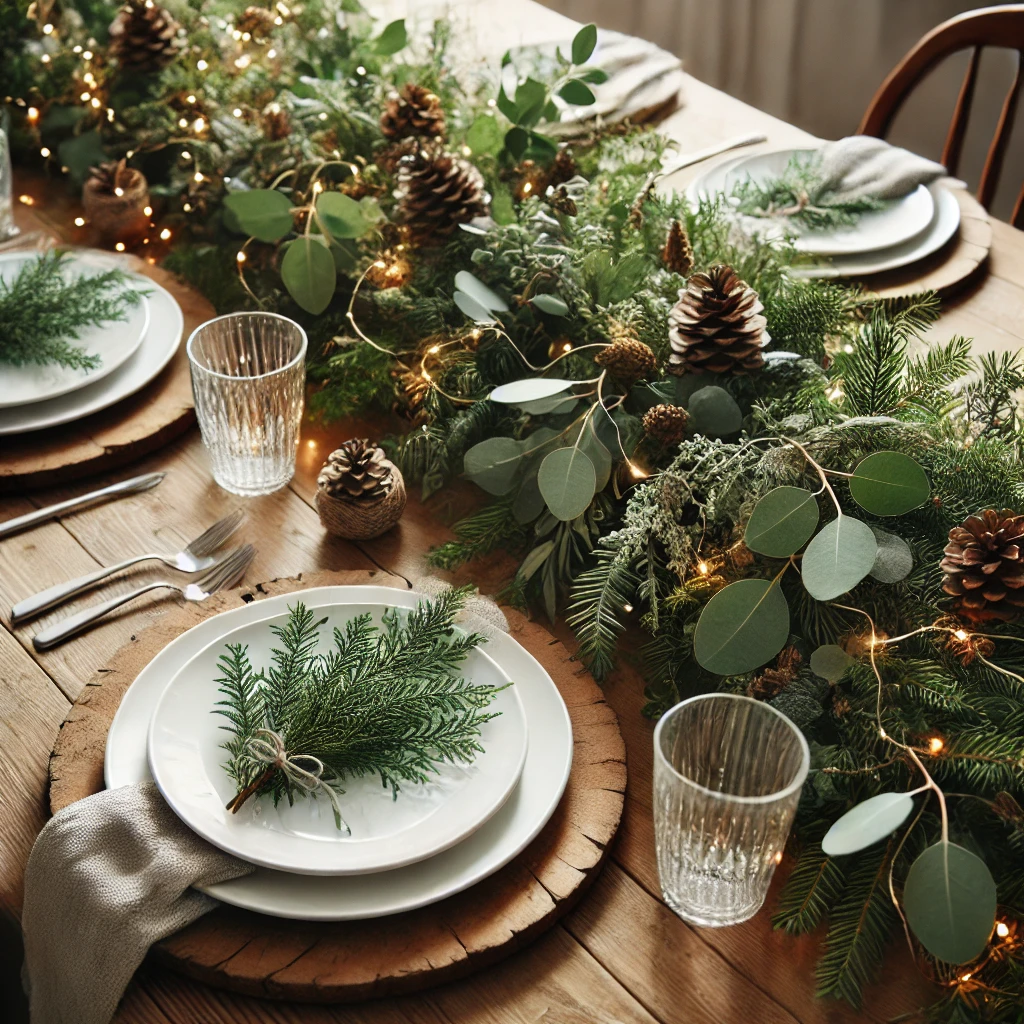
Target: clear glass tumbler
point(248, 381)
point(7, 227)
point(727, 777)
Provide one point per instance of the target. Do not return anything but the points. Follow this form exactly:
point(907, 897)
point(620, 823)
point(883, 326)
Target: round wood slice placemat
point(126, 431)
point(355, 960)
point(953, 267)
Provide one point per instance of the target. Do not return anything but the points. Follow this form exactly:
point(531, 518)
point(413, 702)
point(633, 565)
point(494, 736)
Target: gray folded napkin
point(107, 877)
point(864, 166)
point(111, 874)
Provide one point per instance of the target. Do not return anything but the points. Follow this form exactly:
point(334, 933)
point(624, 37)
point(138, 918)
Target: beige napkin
point(111, 874)
point(107, 877)
point(861, 165)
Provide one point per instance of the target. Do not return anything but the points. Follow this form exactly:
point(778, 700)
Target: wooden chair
point(989, 26)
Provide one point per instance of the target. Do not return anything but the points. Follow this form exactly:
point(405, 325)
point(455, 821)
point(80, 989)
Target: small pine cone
point(357, 471)
point(627, 360)
point(276, 123)
point(144, 37)
point(840, 704)
point(677, 254)
point(717, 326)
point(257, 22)
point(984, 566)
point(563, 168)
point(561, 202)
point(770, 682)
point(415, 111)
point(438, 193)
point(666, 423)
point(108, 178)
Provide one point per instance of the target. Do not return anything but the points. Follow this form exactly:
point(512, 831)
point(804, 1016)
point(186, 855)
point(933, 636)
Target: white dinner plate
point(315, 898)
point(114, 342)
point(186, 757)
point(159, 344)
point(942, 228)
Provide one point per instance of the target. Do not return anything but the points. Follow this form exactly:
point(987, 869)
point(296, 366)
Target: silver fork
point(226, 573)
point(194, 558)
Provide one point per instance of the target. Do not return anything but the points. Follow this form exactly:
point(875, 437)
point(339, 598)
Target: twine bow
point(267, 747)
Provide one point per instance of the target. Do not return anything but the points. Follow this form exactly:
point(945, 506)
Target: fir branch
point(492, 528)
point(812, 889)
point(43, 312)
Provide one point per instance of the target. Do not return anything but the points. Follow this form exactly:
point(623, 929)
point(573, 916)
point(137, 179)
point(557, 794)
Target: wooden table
point(621, 955)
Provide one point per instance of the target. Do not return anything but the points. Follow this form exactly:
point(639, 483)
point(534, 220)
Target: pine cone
point(770, 682)
point(144, 37)
point(666, 423)
point(276, 123)
point(438, 193)
point(413, 111)
point(984, 566)
point(563, 168)
point(357, 471)
point(257, 22)
point(717, 326)
point(626, 358)
point(677, 254)
point(115, 178)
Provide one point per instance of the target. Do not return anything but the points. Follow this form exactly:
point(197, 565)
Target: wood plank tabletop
point(621, 957)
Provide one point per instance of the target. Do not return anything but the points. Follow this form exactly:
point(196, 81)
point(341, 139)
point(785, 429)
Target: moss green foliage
point(44, 309)
point(381, 701)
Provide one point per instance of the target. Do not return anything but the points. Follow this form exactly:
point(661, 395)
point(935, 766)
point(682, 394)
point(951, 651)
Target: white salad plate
point(900, 219)
point(943, 226)
point(114, 342)
point(317, 898)
point(187, 759)
point(160, 342)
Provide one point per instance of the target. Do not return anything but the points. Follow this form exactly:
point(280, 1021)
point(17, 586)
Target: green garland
point(497, 343)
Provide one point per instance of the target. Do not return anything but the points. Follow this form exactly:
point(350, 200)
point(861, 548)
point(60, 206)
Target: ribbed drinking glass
point(248, 381)
point(728, 771)
point(7, 228)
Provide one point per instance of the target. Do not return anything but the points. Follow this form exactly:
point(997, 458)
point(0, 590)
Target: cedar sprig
point(43, 311)
point(384, 701)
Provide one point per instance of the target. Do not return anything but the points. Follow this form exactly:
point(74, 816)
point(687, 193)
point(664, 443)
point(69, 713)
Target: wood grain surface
point(354, 960)
point(620, 956)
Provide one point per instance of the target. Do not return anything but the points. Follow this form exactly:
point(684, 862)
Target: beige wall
point(817, 63)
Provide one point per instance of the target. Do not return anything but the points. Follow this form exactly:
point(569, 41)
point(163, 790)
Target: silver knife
point(44, 515)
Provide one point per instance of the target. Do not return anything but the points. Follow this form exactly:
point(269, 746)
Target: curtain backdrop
point(817, 63)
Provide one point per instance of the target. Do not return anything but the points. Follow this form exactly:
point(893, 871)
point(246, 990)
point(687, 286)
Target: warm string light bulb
point(635, 471)
point(935, 744)
point(1002, 929)
point(240, 256)
point(703, 568)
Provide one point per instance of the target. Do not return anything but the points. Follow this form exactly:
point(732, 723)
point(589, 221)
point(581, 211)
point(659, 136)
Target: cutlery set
point(199, 559)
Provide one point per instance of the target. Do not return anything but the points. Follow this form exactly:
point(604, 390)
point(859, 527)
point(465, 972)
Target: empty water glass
point(248, 381)
point(727, 777)
point(7, 227)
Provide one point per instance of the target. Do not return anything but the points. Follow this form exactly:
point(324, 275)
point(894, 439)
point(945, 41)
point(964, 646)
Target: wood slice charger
point(348, 961)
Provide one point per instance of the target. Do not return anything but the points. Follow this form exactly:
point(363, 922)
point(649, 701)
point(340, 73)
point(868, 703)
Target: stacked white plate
point(905, 231)
point(434, 840)
point(132, 352)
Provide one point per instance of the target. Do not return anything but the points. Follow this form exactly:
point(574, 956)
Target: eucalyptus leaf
point(782, 522)
point(583, 44)
point(308, 273)
point(393, 38)
point(476, 289)
point(568, 480)
point(743, 626)
point(529, 389)
point(493, 463)
point(830, 662)
point(341, 215)
point(264, 213)
point(894, 559)
point(866, 823)
point(529, 502)
point(577, 93)
point(473, 309)
point(889, 484)
point(556, 405)
point(949, 899)
point(597, 453)
point(838, 558)
point(550, 304)
point(714, 412)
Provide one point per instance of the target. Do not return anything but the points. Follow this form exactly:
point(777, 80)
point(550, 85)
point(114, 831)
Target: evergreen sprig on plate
point(380, 701)
point(43, 310)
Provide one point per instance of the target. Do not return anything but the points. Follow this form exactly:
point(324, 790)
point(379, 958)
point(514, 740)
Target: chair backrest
point(989, 26)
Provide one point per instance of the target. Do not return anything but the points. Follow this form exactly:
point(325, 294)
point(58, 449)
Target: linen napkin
point(861, 165)
point(107, 877)
point(111, 874)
